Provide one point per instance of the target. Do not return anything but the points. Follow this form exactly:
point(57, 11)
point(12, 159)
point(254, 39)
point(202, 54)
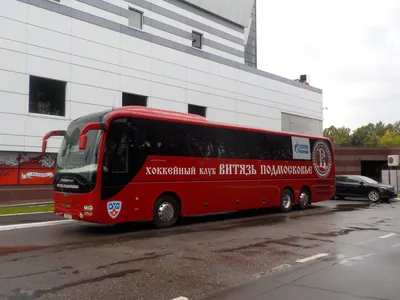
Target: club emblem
point(322, 159)
point(114, 208)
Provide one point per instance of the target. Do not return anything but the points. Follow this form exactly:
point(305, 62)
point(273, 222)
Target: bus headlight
point(88, 207)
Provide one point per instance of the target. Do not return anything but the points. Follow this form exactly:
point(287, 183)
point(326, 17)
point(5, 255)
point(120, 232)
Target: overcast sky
point(350, 49)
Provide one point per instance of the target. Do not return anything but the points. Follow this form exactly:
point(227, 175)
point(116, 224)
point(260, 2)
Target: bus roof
point(161, 114)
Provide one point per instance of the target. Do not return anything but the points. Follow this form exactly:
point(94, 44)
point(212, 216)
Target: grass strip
point(25, 209)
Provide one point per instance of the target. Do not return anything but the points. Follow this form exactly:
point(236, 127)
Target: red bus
point(141, 164)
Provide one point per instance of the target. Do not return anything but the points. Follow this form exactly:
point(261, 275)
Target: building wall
point(89, 45)
point(301, 124)
point(250, 54)
point(236, 11)
point(348, 160)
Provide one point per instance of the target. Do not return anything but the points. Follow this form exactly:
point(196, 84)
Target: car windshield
point(368, 180)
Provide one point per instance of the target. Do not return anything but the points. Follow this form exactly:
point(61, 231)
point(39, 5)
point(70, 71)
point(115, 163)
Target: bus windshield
point(72, 162)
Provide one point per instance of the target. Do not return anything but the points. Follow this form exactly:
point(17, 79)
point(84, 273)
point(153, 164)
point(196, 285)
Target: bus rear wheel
point(305, 199)
point(166, 211)
point(287, 200)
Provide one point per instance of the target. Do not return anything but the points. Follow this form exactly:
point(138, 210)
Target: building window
point(133, 100)
point(197, 40)
point(47, 96)
point(135, 18)
point(197, 110)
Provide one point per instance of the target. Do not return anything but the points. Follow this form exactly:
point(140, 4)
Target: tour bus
point(142, 164)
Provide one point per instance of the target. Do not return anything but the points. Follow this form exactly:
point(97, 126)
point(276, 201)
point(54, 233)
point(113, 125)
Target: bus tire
point(287, 200)
point(166, 211)
point(305, 198)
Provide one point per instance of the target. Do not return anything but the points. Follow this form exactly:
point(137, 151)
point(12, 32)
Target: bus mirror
point(44, 146)
point(86, 129)
point(49, 135)
point(82, 142)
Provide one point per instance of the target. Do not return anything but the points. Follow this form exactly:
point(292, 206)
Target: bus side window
point(226, 142)
point(169, 141)
point(116, 148)
point(201, 142)
point(250, 145)
point(279, 147)
point(175, 140)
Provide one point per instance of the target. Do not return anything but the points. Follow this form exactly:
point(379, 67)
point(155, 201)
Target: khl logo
point(114, 208)
point(302, 149)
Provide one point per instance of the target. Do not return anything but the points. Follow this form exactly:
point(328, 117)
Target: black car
point(361, 186)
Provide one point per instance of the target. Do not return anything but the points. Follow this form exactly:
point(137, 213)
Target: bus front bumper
point(71, 211)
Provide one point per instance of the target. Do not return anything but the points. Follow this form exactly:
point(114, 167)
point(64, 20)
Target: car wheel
point(166, 211)
point(305, 199)
point(340, 197)
point(287, 200)
point(374, 196)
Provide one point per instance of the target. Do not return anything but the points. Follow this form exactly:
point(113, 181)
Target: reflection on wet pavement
point(196, 258)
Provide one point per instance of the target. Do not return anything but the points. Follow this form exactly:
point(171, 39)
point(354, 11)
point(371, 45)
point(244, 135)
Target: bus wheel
point(287, 200)
point(305, 199)
point(166, 211)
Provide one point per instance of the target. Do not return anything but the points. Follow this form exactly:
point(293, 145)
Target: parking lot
point(335, 250)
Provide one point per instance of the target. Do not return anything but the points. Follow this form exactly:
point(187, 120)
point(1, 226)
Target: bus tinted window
point(251, 145)
point(116, 148)
point(225, 142)
point(161, 138)
point(278, 147)
point(179, 139)
point(201, 141)
point(174, 139)
point(154, 137)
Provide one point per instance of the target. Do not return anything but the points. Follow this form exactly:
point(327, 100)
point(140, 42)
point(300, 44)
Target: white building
point(61, 59)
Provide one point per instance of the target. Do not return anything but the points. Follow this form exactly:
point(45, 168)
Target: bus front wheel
point(166, 211)
point(287, 200)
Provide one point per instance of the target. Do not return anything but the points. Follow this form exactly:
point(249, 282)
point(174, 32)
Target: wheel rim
point(166, 212)
point(304, 199)
point(373, 196)
point(287, 201)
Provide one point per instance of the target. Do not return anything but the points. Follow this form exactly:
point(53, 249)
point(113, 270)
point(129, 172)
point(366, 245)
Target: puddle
point(267, 245)
point(129, 261)
point(352, 207)
point(20, 249)
point(345, 231)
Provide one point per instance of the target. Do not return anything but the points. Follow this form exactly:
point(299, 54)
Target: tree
point(370, 135)
point(339, 136)
point(396, 127)
point(364, 136)
point(381, 128)
point(389, 139)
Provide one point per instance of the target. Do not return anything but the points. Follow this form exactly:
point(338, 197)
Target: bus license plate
point(67, 216)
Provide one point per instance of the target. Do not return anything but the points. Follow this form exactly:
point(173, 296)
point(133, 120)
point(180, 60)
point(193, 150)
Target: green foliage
point(370, 135)
point(338, 136)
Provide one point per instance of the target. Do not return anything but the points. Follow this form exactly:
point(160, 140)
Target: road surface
point(336, 250)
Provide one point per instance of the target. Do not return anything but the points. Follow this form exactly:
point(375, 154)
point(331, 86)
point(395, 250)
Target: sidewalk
point(25, 195)
point(4, 204)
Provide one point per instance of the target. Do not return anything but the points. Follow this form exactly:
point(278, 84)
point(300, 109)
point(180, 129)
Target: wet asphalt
point(257, 255)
